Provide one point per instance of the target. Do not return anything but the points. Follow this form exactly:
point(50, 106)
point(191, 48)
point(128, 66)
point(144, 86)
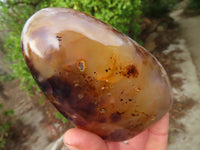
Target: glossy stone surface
point(97, 77)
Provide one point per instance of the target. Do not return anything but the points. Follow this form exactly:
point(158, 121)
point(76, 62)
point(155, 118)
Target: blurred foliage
point(4, 125)
point(122, 14)
point(6, 77)
point(42, 99)
point(194, 5)
point(58, 115)
point(14, 13)
point(157, 8)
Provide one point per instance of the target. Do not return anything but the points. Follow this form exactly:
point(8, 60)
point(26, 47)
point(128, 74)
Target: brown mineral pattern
point(97, 77)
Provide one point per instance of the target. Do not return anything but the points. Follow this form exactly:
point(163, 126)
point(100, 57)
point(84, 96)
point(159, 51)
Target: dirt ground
point(185, 129)
point(34, 126)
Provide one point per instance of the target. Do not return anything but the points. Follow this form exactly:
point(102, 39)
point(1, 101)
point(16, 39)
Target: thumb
point(78, 139)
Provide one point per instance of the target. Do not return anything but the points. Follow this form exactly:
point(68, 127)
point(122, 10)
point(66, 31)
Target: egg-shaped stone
point(97, 77)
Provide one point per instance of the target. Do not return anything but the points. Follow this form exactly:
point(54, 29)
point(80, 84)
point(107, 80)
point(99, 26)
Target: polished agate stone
point(97, 77)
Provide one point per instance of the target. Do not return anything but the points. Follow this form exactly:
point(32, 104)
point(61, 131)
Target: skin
point(153, 138)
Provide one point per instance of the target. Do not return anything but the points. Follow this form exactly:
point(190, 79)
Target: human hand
point(153, 138)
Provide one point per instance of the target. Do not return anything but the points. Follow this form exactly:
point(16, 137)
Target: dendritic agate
point(97, 77)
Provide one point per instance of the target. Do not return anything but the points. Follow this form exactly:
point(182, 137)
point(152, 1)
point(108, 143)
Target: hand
point(153, 138)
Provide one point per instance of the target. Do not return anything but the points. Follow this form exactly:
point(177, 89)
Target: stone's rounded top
point(52, 21)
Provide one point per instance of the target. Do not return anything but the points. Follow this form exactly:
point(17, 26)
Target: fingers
point(139, 142)
point(158, 135)
point(78, 139)
point(136, 143)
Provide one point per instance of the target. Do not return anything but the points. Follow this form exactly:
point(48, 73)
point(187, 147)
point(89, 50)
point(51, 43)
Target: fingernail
point(70, 147)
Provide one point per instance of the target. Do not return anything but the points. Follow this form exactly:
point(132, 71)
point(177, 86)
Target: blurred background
point(169, 29)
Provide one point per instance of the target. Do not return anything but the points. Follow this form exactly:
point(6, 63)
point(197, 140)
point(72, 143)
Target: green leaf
point(61, 117)
point(42, 99)
point(6, 126)
point(1, 106)
point(8, 112)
